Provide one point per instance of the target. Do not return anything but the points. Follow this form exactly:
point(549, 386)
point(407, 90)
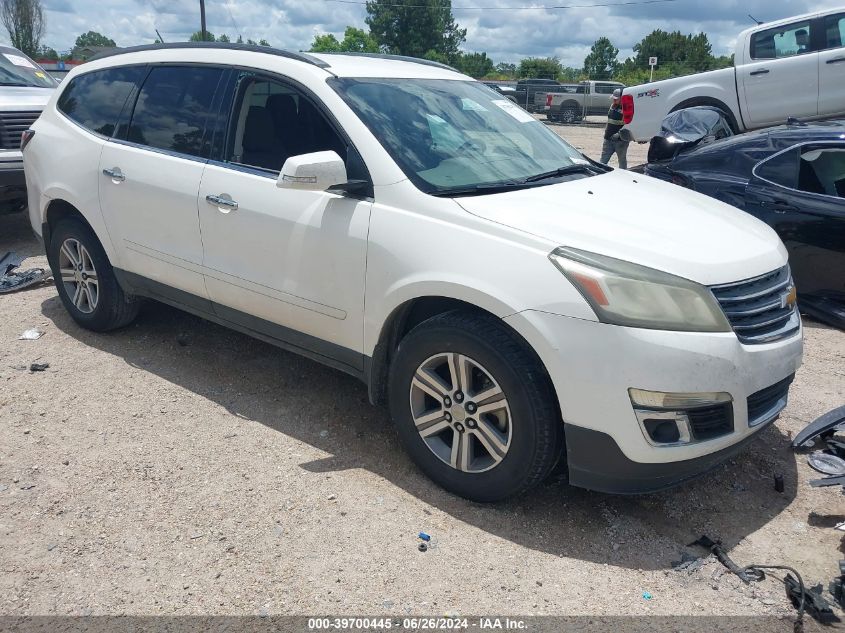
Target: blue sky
point(505, 34)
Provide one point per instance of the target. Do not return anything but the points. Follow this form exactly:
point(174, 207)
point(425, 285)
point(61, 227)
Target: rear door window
point(834, 27)
point(783, 41)
point(94, 100)
point(174, 108)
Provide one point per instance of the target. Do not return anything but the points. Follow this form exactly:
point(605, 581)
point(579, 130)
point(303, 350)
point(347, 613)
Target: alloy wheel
point(79, 275)
point(461, 412)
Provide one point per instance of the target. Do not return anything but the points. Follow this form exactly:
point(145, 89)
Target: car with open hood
point(792, 177)
point(516, 304)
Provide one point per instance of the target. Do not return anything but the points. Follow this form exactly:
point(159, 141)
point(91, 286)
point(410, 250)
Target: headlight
point(627, 294)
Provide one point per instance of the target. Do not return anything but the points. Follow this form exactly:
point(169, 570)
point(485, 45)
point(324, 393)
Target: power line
point(532, 8)
point(232, 17)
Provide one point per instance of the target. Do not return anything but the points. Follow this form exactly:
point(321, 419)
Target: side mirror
point(317, 171)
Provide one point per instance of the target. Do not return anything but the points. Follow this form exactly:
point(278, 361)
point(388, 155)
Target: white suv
point(516, 303)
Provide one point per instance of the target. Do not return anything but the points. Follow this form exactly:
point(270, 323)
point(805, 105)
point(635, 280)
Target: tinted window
point(822, 171)
point(94, 100)
point(834, 26)
point(606, 89)
point(271, 122)
point(783, 41)
point(173, 107)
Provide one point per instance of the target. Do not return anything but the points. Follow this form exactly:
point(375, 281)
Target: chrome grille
point(757, 308)
point(13, 124)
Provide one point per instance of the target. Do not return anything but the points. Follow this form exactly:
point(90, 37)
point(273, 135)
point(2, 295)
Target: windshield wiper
point(16, 83)
point(577, 168)
point(494, 187)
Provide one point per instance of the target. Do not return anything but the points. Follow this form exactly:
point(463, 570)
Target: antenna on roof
point(160, 38)
point(756, 21)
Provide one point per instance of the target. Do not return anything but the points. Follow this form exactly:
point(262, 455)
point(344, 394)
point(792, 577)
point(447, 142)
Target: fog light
point(664, 428)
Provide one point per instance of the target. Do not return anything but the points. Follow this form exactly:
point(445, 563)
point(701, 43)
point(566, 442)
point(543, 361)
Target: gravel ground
point(176, 467)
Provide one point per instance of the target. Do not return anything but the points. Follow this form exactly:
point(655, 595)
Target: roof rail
point(399, 58)
point(253, 48)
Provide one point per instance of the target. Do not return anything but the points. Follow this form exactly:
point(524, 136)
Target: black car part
point(11, 281)
point(822, 427)
point(804, 600)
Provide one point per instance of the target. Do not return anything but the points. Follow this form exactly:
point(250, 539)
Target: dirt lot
point(176, 467)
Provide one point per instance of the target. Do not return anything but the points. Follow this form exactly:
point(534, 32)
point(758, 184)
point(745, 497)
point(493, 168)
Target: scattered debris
point(837, 586)
point(828, 481)
point(423, 546)
point(32, 334)
point(197, 535)
point(823, 426)
point(779, 483)
point(688, 563)
point(424, 536)
point(840, 527)
point(332, 497)
point(810, 599)
point(646, 595)
point(27, 486)
point(804, 599)
point(11, 281)
point(826, 463)
point(39, 367)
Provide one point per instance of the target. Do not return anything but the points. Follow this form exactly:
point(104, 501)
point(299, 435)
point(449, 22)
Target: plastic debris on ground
point(826, 464)
point(11, 280)
point(646, 595)
point(424, 536)
point(39, 367)
point(827, 430)
point(31, 335)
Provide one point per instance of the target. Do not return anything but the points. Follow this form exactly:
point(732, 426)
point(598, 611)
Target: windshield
point(16, 69)
point(456, 136)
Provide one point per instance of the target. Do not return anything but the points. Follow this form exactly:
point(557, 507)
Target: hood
point(641, 220)
point(14, 98)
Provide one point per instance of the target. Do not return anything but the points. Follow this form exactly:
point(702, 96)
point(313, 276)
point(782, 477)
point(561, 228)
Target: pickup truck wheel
point(568, 114)
point(473, 407)
point(85, 279)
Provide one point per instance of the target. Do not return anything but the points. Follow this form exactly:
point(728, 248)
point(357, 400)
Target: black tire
point(536, 430)
point(568, 115)
point(114, 308)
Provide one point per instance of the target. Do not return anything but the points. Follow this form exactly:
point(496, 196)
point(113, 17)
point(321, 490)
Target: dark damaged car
point(792, 177)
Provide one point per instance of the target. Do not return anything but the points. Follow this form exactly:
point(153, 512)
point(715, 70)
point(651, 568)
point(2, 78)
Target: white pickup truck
point(789, 68)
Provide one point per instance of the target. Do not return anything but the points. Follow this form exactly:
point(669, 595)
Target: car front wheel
point(474, 407)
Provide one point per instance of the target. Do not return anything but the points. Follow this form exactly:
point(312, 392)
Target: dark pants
point(620, 148)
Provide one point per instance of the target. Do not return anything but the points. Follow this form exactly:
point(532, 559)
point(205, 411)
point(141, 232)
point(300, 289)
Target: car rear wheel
point(85, 279)
point(568, 114)
point(473, 407)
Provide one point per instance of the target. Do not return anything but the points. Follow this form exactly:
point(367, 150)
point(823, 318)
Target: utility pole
point(202, 20)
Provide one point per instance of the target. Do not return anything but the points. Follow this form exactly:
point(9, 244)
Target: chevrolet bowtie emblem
point(787, 299)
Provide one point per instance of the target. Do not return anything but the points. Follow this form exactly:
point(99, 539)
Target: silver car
point(25, 88)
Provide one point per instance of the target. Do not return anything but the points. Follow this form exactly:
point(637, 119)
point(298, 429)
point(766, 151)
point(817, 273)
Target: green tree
point(263, 42)
point(354, 41)
point(601, 63)
point(683, 54)
point(506, 69)
point(24, 21)
point(358, 41)
point(475, 65)
point(539, 67)
point(45, 52)
point(415, 27)
point(92, 38)
point(325, 44)
point(223, 38)
point(197, 37)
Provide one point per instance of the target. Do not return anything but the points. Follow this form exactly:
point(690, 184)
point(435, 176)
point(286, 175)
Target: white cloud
point(506, 35)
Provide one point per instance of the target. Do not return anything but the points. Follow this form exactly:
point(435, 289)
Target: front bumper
point(12, 185)
point(592, 365)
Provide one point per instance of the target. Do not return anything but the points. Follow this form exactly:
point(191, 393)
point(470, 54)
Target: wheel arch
point(710, 101)
point(58, 209)
point(404, 318)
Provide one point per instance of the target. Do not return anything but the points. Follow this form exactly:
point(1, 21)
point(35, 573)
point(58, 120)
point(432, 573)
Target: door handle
point(835, 60)
point(762, 71)
point(115, 174)
point(223, 202)
point(779, 206)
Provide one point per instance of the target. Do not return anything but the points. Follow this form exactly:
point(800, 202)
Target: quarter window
point(95, 99)
point(783, 41)
point(822, 171)
point(173, 108)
